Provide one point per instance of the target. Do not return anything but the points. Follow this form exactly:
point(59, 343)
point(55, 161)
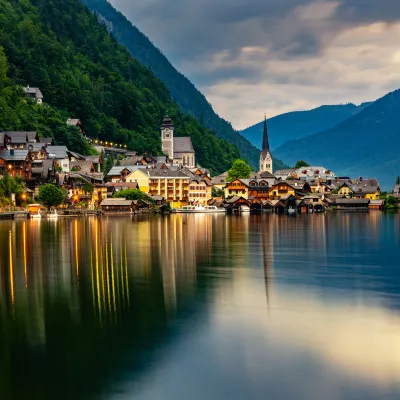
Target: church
point(265, 156)
point(179, 150)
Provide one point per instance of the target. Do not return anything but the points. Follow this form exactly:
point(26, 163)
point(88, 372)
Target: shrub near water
point(50, 195)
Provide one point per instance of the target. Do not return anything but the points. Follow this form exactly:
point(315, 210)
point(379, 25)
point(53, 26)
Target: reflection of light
point(11, 268)
point(108, 279)
point(127, 276)
point(24, 246)
point(76, 250)
point(112, 278)
point(97, 268)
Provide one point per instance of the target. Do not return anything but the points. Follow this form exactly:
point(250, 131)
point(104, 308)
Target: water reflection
point(187, 306)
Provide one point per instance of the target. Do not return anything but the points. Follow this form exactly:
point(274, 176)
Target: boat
point(53, 214)
point(244, 209)
point(200, 209)
point(34, 211)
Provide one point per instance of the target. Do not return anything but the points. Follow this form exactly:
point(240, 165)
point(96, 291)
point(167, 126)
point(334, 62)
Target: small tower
point(167, 138)
point(265, 156)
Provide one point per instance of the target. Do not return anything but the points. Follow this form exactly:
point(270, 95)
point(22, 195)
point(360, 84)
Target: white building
point(179, 150)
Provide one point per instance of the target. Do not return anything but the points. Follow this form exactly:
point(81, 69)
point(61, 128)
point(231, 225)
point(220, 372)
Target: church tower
point(265, 156)
point(167, 138)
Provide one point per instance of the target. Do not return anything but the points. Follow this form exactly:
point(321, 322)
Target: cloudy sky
point(254, 56)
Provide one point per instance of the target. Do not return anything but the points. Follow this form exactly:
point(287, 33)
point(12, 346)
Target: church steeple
point(265, 156)
point(265, 145)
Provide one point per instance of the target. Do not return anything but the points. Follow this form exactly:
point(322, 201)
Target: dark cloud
point(211, 42)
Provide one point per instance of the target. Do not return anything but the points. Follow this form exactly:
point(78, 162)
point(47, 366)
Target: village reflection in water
point(100, 298)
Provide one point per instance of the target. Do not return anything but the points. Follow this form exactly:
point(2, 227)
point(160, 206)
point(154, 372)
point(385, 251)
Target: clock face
point(167, 132)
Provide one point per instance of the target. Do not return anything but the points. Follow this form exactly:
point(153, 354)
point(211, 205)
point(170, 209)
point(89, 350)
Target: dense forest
point(187, 96)
point(60, 47)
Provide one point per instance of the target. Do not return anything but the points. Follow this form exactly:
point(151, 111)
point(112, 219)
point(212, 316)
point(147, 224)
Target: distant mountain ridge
point(186, 95)
point(365, 144)
point(298, 124)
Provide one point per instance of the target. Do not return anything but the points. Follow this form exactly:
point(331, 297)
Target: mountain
point(298, 124)
point(189, 99)
point(364, 145)
point(82, 71)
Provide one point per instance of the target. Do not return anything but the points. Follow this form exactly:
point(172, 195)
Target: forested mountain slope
point(366, 144)
point(298, 124)
point(60, 47)
point(187, 96)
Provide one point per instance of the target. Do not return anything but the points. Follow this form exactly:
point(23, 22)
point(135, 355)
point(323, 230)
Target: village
point(173, 180)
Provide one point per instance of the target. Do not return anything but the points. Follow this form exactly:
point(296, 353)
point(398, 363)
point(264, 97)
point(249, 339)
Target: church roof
point(183, 145)
point(167, 123)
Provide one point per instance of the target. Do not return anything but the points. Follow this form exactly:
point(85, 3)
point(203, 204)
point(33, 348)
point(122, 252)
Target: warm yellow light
point(23, 196)
point(95, 141)
point(76, 198)
point(9, 166)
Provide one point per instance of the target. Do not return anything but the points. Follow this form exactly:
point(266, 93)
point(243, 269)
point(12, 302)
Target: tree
point(300, 164)
point(50, 195)
point(216, 192)
point(239, 170)
point(9, 185)
point(88, 187)
point(392, 202)
point(131, 194)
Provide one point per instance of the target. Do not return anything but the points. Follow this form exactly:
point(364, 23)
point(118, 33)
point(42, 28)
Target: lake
point(201, 307)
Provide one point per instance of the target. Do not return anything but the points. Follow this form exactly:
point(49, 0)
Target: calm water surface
point(201, 307)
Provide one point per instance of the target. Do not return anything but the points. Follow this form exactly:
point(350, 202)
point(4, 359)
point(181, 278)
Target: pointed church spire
point(265, 145)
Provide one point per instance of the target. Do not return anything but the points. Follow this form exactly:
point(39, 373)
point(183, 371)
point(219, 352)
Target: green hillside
point(364, 145)
point(60, 47)
point(298, 124)
point(189, 99)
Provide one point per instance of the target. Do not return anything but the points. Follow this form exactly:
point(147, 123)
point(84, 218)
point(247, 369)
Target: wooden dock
point(14, 215)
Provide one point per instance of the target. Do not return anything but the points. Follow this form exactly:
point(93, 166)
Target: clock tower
point(167, 137)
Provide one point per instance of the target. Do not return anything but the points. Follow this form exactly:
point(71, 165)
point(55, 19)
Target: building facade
point(179, 150)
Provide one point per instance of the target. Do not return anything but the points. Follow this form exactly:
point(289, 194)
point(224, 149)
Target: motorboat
point(199, 209)
point(244, 209)
point(34, 211)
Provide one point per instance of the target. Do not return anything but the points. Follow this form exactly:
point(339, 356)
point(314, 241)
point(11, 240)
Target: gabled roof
point(33, 90)
point(352, 201)
point(19, 137)
point(57, 152)
point(183, 145)
point(116, 202)
point(287, 171)
point(364, 189)
point(14, 155)
point(165, 173)
point(118, 169)
point(46, 140)
point(73, 121)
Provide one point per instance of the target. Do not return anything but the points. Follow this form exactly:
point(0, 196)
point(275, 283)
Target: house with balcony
point(18, 163)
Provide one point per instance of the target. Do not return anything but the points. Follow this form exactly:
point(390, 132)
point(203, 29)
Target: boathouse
point(352, 204)
point(120, 205)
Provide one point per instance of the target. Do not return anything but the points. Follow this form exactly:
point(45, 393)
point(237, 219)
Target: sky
point(250, 57)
